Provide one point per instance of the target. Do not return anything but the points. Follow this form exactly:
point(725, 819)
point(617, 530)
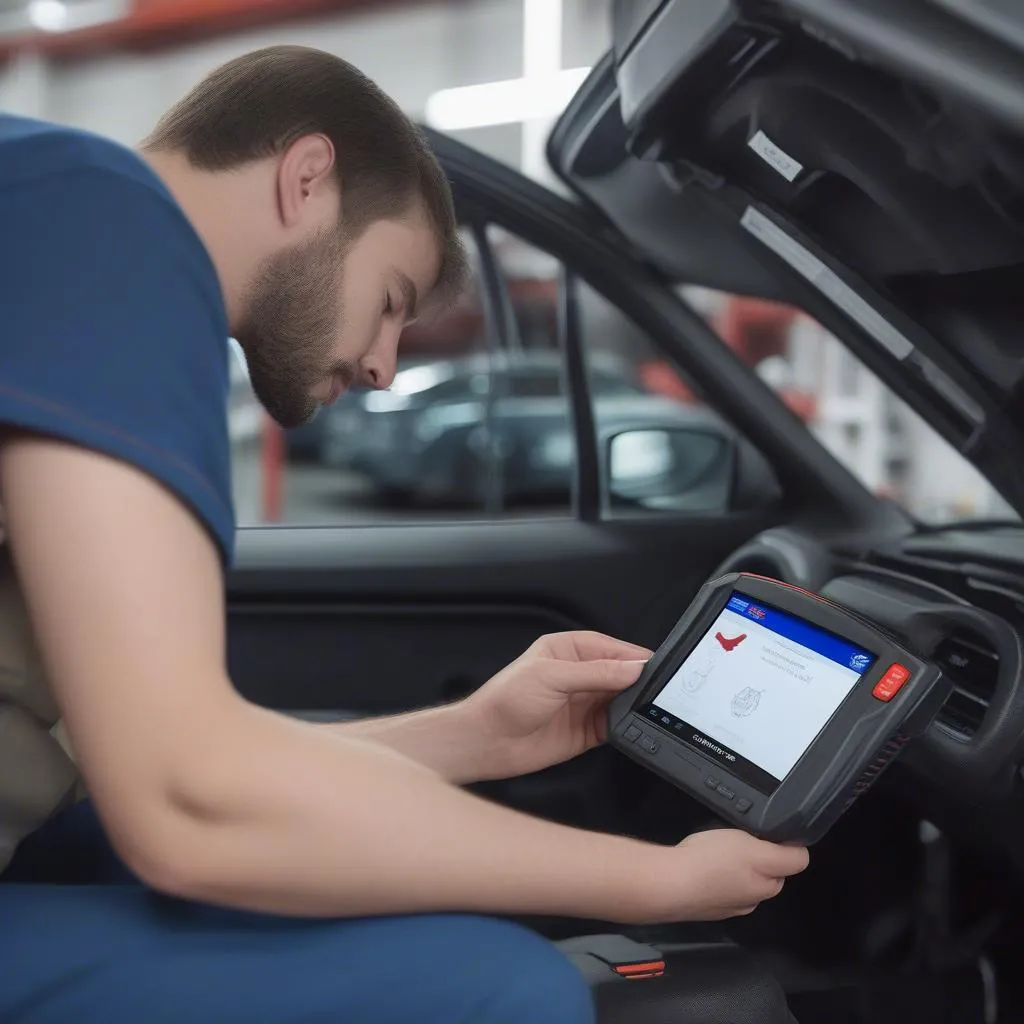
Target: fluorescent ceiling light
point(508, 102)
point(48, 15)
point(60, 15)
point(542, 37)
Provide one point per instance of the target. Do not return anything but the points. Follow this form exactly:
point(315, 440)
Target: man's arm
point(445, 739)
point(211, 798)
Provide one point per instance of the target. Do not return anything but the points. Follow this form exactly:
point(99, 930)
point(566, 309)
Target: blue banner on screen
point(818, 640)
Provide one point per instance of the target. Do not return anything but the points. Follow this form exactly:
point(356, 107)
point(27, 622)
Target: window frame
point(586, 494)
point(498, 322)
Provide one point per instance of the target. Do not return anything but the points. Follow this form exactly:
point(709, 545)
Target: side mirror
point(671, 469)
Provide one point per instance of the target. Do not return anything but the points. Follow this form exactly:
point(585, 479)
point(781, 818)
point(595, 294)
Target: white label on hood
point(802, 260)
point(775, 157)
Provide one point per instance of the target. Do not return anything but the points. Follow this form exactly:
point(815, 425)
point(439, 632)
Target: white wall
point(943, 483)
point(410, 52)
point(24, 86)
point(586, 32)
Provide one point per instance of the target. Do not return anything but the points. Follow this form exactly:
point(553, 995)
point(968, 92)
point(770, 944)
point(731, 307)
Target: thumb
point(602, 675)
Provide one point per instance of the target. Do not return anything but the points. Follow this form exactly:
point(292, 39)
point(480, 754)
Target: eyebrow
point(409, 295)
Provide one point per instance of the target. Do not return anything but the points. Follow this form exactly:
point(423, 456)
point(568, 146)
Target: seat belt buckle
point(629, 960)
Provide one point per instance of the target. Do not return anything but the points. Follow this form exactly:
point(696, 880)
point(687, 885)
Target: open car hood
point(862, 159)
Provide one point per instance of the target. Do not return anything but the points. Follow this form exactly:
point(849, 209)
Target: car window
point(604, 383)
point(441, 443)
point(677, 455)
point(536, 384)
point(880, 439)
point(532, 279)
point(533, 441)
point(473, 428)
point(662, 447)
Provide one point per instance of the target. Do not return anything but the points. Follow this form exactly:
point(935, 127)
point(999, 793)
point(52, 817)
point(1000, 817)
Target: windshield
point(883, 442)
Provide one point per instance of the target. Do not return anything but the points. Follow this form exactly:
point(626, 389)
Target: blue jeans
point(82, 942)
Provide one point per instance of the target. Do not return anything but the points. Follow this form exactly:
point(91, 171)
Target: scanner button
point(726, 792)
point(711, 782)
point(631, 733)
point(650, 745)
point(742, 805)
point(891, 683)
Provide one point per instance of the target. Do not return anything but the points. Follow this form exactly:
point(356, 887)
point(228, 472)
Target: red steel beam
point(154, 24)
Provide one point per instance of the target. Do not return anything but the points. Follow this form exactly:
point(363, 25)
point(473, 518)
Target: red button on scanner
point(891, 683)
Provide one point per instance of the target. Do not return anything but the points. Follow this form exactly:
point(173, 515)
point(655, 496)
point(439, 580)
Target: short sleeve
point(113, 333)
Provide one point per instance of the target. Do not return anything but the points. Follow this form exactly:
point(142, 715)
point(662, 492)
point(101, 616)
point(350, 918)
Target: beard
point(292, 321)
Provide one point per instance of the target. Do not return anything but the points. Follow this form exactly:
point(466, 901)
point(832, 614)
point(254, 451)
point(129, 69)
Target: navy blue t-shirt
point(113, 332)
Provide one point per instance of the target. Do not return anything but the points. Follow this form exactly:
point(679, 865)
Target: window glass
point(532, 277)
point(663, 448)
point(533, 437)
point(531, 384)
point(869, 429)
point(472, 429)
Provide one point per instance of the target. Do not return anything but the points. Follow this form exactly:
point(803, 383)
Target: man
point(273, 870)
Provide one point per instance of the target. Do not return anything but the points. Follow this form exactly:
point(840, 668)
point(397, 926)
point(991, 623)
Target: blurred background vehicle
point(448, 431)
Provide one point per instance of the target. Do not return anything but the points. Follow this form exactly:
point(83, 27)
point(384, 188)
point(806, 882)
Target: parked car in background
point(451, 432)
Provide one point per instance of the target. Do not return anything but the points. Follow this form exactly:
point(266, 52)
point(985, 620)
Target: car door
point(374, 610)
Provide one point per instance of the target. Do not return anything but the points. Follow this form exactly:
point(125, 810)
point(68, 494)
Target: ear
point(306, 184)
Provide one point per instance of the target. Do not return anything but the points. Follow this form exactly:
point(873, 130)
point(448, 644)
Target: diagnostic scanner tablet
point(774, 706)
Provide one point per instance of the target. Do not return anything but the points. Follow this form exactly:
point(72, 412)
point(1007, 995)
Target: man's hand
point(551, 703)
point(716, 875)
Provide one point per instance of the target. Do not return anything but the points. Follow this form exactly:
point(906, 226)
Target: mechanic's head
point(329, 219)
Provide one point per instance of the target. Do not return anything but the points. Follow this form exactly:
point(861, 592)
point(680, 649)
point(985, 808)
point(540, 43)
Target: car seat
point(697, 983)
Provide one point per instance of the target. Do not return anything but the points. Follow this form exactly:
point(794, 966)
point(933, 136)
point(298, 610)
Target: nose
point(376, 376)
point(380, 364)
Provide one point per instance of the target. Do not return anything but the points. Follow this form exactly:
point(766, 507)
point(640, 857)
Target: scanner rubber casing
point(853, 748)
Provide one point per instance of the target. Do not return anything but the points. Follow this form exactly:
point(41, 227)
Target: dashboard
point(955, 598)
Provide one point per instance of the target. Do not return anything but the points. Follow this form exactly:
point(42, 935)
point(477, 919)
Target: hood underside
point(863, 159)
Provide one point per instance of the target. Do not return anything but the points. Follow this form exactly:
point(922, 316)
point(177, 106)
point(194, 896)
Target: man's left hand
point(551, 703)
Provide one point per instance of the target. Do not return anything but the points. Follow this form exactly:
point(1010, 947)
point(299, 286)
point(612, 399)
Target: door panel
point(375, 657)
point(384, 619)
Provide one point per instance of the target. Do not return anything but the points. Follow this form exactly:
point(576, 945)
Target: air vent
point(991, 587)
point(973, 666)
point(914, 570)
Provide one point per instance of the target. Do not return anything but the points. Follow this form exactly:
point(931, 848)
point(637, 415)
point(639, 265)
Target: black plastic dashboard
point(956, 598)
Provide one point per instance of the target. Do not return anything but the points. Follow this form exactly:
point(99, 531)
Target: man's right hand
point(720, 874)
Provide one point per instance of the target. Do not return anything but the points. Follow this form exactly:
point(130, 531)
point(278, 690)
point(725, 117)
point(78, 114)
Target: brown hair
point(257, 105)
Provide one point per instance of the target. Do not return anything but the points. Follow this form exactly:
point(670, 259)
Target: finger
point(782, 861)
point(602, 676)
point(592, 646)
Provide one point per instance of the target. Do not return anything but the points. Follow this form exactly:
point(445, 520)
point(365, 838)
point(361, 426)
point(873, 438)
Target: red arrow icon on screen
point(730, 645)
